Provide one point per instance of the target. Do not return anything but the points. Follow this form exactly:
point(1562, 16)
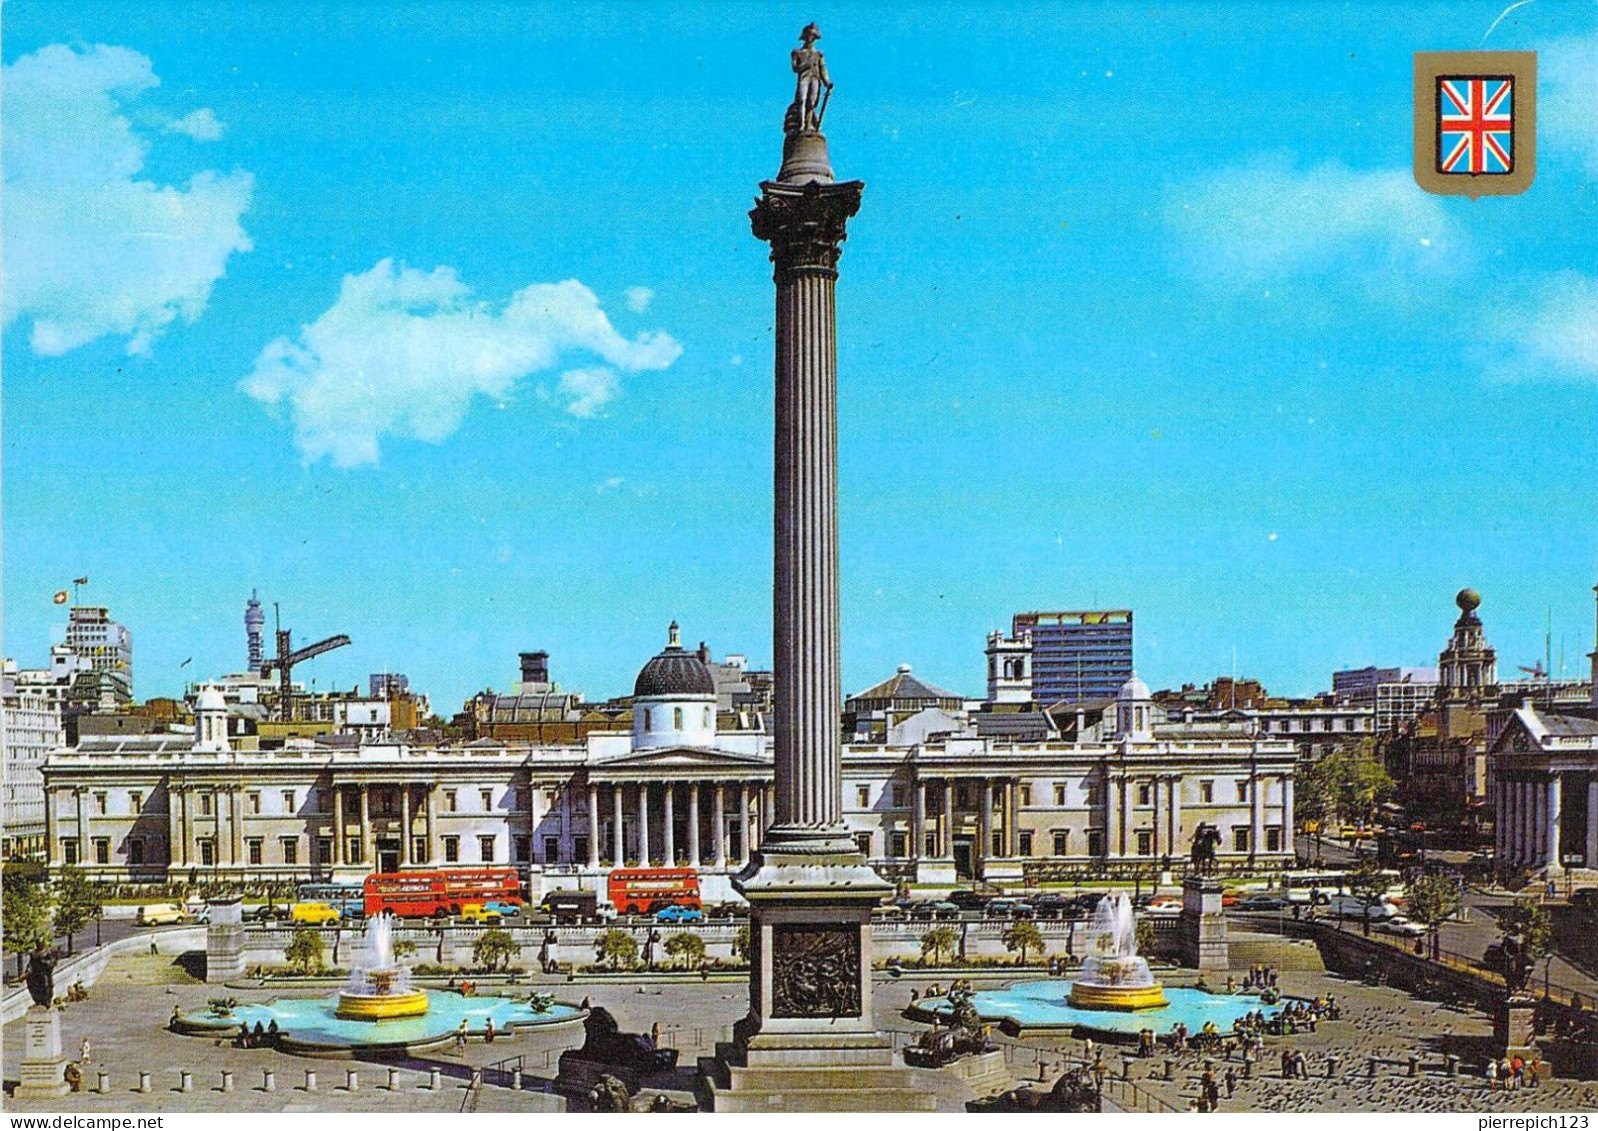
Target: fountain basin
point(1128, 999)
point(1047, 1007)
point(313, 1027)
point(381, 1007)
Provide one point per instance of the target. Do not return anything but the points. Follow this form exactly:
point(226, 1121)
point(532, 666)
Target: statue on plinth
point(812, 86)
point(41, 975)
point(1206, 839)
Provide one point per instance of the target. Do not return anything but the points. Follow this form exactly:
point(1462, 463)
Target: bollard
point(268, 1080)
point(105, 1082)
point(352, 1080)
point(433, 1078)
point(516, 1079)
point(1414, 1065)
point(1126, 1068)
point(144, 1081)
point(477, 1078)
point(1370, 1067)
point(185, 1081)
point(1170, 1069)
point(1453, 1065)
point(310, 1079)
point(1331, 1066)
point(393, 1079)
point(227, 1081)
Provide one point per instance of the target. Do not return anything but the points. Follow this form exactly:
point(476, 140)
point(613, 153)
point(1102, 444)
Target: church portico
point(1544, 769)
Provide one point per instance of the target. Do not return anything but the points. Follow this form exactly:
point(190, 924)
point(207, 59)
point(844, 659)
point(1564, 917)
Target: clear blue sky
point(442, 325)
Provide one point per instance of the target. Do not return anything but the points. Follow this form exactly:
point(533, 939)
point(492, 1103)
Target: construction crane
point(285, 660)
point(1537, 671)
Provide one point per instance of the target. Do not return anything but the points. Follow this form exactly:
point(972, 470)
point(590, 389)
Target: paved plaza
point(124, 1022)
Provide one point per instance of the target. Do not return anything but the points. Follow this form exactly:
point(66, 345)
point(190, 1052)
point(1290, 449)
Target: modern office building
point(30, 728)
point(1396, 695)
point(1076, 656)
point(106, 645)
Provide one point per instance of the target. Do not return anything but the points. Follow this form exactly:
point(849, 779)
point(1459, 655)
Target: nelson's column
point(809, 1042)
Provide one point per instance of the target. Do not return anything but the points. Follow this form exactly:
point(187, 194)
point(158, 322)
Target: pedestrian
point(259, 1036)
point(1287, 1065)
point(244, 1034)
point(460, 1038)
point(272, 1034)
point(1519, 1067)
point(73, 1075)
point(1231, 1081)
point(83, 1051)
point(488, 1031)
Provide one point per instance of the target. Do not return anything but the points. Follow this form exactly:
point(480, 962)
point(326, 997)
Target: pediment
point(683, 757)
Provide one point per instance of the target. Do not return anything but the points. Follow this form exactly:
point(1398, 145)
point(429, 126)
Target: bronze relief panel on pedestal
point(815, 971)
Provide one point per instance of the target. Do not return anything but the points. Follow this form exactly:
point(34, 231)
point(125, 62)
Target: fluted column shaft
point(693, 824)
point(593, 827)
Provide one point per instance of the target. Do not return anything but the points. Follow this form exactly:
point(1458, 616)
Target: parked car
point(480, 914)
point(676, 913)
point(1008, 909)
point(503, 907)
point(270, 912)
point(1398, 925)
point(1353, 907)
point(1165, 901)
point(313, 914)
point(158, 915)
point(1051, 906)
point(1163, 909)
point(943, 909)
point(967, 900)
point(1261, 903)
point(888, 913)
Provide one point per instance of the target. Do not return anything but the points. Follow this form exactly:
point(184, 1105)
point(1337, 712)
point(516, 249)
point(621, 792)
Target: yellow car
point(313, 914)
point(477, 913)
point(158, 915)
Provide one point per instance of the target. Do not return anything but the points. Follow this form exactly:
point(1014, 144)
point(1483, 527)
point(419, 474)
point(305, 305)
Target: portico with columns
point(1543, 781)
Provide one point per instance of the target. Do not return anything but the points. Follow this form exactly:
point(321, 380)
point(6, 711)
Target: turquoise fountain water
point(1045, 1005)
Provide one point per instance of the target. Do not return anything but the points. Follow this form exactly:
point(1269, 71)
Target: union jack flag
point(1476, 125)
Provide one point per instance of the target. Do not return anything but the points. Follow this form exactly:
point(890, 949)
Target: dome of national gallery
point(674, 673)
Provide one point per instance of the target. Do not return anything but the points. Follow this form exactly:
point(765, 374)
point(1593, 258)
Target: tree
point(938, 942)
point(740, 943)
point(617, 947)
point(304, 949)
point(25, 914)
point(77, 901)
point(1431, 901)
point(1024, 936)
point(1351, 782)
point(1366, 881)
point(494, 949)
point(687, 947)
point(1532, 924)
point(404, 948)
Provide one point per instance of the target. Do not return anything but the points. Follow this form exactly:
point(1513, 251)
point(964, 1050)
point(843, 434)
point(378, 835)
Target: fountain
point(379, 988)
point(1116, 977)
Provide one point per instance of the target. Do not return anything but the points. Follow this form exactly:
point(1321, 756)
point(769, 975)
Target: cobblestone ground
point(1376, 1022)
point(124, 1021)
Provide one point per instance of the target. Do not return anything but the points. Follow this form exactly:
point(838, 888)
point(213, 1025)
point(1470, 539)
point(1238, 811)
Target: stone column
point(1159, 843)
point(1289, 845)
point(643, 824)
point(1554, 804)
point(52, 833)
point(188, 825)
point(918, 817)
point(1500, 830)
point(235, 817)
point(593, 827)
point(743, 822)
point(1592, 821)
point(1012, 828)
point(366, 828)
point(718, 819)
point(671, 820)
point(693, 824)
point(1533, 804)
point(1175, 815)
point(618, 853)
point(433, 853)
point(1124, 788)
point(1256, 816)
point(985, 818)
point(405, 825)
point(946, 822)
point(81, 829)
point(1516, 818)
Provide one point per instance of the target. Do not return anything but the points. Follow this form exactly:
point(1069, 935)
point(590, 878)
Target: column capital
point(805, 225)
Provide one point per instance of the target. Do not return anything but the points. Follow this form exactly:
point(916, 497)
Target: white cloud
point(588, 390)
point(1271, 222)
point(403, 352)
point(200, 126)
point(1555, 334)
point(91, 249)
point(639, 298)
point(1567, 108)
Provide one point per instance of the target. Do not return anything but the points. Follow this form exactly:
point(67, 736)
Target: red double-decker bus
point(642, 891)
point(441, 892)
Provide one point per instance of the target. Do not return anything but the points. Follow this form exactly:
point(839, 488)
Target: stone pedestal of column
point(1203, 925)
point(1512, 1027)
point(42, 1062)
point(224, 940)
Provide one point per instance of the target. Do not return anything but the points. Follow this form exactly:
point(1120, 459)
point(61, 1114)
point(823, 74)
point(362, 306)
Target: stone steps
point(147, 970)
point(1270, 950)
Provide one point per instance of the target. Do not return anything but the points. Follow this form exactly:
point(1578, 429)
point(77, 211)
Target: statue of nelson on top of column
point(812, 86)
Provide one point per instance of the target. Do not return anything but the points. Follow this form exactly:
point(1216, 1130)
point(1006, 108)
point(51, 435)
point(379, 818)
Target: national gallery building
point(1122, 796)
